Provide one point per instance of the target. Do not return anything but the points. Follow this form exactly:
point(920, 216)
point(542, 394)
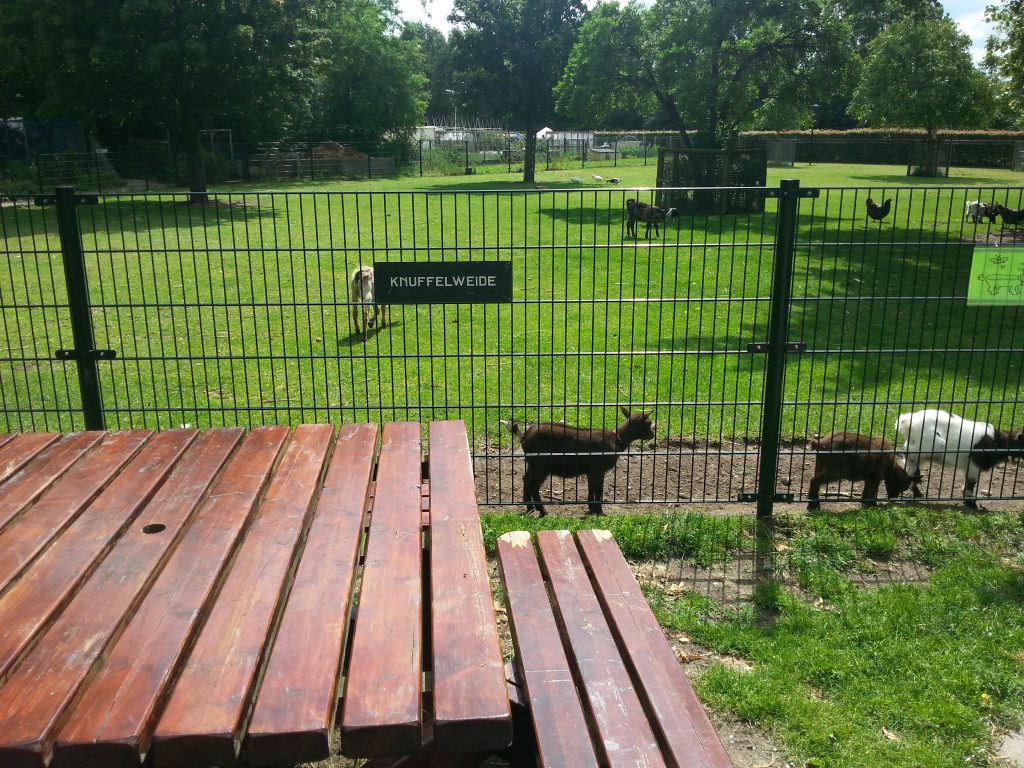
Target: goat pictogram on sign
point(997, 276)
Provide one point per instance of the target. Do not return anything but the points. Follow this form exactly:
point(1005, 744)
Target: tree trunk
point(196, 172)
point(530, 156)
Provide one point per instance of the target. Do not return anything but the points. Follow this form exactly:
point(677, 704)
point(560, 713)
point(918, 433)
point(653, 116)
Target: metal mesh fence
point(237, 312)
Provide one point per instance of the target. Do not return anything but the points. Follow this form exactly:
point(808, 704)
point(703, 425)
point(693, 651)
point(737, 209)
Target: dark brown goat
point(651, 215)
point(566, 451)
point(849, 456)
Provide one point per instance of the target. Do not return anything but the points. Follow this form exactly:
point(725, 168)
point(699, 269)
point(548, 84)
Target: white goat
point(977, 210)
point(966, 446)
point(360, 291)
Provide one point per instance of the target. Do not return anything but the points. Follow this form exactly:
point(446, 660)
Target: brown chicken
point(878, 212)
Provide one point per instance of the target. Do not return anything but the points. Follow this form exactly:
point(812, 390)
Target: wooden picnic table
point(187, 597)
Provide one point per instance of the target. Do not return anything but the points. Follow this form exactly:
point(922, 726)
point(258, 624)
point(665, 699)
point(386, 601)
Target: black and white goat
point(977, 210)
point(651, 215)
point(566, 451)
point(361, 295)
point(849, 456)
point(969, 447)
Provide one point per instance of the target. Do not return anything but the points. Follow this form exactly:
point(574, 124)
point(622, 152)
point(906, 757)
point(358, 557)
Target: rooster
point(878, 212)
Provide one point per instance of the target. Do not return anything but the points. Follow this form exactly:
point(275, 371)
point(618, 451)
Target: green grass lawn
point(235, 313)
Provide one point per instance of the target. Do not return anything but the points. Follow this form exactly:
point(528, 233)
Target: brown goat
point(849, 456)
point(566, 451)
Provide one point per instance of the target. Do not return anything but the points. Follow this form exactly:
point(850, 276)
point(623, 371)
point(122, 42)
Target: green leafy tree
point(129, 65)
point(919, 74)
point(712, 67)
point(436, 66)
point(1004, 54)
point(370, 86)
point(508, 57)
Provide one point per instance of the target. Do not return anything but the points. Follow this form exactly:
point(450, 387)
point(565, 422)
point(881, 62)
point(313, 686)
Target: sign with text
point(997, 276)
point(442, 282)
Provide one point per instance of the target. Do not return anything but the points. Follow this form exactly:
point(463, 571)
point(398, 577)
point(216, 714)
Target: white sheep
point(966, 446)
point(361, 294)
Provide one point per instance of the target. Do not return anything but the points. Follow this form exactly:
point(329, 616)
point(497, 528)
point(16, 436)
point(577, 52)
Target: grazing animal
point(966, 446)
point(977, 210)
point(614, 180)
point(566, 451)
point(849, 456)
point(1010, 216)
point(651, 215)
point(361, 294)
point(576, 180)
point(597, 178)
point(879, 212)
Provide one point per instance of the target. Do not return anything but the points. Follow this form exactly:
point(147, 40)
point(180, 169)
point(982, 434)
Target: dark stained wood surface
point(109, 726)
point(381, 712)
point(687, 735)
point(17, 450)
point(562, 733)
point(470, 697)
point(612, 702)
point(171, 597)
point(28, 535)
point(197, 726)
point(60, 660)
point(295, 710)
point(23, 488)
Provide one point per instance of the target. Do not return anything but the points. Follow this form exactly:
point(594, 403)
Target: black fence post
point(421, 157)
point(778, 331)
point(85, 353)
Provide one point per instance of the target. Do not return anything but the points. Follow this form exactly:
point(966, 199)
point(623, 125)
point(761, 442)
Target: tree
point(714, 67)
point(144, 64)
point(1004, 52)
point(508, 57)
point(370, 86)
point(919, 74)
point(436, 66)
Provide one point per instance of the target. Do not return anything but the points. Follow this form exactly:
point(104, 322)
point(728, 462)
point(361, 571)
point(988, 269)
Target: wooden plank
point(26, 537)
point(17, 450)
point(23, 488)
point(111, 723)
point(471, 708)
point(623, 732)
point(32, 602)
point(294, 713)
point(202, 721)
point(563, 738)
point(687, 735)
point(45, 682)
point(381, 713)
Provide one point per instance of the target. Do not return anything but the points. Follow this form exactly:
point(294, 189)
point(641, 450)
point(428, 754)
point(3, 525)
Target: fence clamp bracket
point(79, 200)
point(762, 346)
point(92, 354)
point(754, 496)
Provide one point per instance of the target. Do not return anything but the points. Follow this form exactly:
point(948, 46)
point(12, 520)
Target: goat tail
point(903, 425)
point(511, 426)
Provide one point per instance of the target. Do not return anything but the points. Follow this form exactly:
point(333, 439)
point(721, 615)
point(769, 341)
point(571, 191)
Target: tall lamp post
point(455, 106)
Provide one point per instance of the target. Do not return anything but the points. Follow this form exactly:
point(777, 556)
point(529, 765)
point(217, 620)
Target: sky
point(969, 14)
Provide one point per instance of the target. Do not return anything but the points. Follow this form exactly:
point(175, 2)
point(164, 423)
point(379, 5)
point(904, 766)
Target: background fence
point(236, 312)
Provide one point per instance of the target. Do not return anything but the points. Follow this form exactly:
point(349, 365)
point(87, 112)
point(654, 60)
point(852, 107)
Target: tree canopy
point(1004, 53)
point(508, 57)
point(714, 68)
point(919, 73)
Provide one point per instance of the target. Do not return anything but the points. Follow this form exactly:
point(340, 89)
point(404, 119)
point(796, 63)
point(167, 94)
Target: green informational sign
point(442, 282)
point(997, 276)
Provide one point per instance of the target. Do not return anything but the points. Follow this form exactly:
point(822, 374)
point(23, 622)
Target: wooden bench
point(600, 681)
point(187, 598)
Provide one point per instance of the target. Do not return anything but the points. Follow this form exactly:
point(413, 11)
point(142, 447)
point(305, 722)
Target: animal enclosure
point(236, 312)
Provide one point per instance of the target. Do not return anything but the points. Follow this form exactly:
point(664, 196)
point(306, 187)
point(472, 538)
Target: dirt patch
point(709, 477)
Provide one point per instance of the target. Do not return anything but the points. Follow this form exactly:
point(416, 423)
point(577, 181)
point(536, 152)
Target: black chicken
point(878, 212)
